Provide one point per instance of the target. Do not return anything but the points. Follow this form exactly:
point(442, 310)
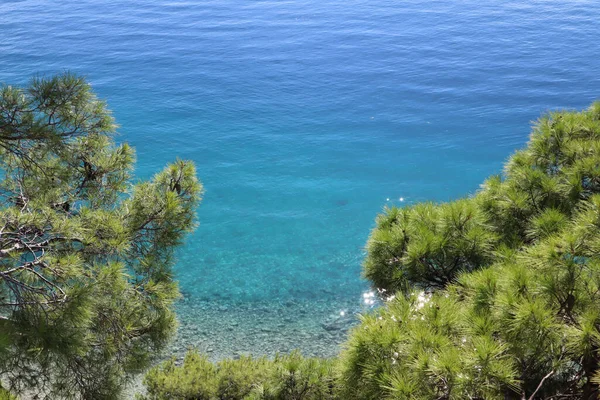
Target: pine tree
point(519, 317)
point(86, 282)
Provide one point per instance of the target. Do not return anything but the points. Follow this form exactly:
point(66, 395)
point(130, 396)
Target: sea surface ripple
point(305, 118)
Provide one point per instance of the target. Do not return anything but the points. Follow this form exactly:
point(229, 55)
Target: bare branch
point(532, 397)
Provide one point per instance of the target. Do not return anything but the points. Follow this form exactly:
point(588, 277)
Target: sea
point(305, 119)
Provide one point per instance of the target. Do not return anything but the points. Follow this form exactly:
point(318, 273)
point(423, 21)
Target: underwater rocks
point(316, 328)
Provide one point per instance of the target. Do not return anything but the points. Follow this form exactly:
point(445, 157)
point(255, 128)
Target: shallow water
point(306, 118)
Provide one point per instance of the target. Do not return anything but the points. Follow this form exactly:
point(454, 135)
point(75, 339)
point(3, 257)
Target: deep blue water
point(304, 117)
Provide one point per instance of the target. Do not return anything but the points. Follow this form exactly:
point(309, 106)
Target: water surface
point(305, 118)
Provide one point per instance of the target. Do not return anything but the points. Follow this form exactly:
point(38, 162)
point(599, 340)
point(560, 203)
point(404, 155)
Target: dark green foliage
point(557, 170)
point(521, 323)
point(287, 377)
point(423, 347)
point(86, 288)
point(498, 333)
point(427, 245)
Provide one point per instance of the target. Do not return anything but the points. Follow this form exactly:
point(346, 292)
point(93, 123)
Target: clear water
point(305, 118)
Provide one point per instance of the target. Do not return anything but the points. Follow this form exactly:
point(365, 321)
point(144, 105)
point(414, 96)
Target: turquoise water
point(305, 118)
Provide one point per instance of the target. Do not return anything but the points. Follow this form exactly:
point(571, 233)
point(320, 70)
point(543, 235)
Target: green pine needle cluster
point(500, 292)
point(86, 286)
point(287, 377)
point(429, 245)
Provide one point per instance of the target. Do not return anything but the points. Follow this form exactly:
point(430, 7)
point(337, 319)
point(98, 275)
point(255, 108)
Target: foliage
point(428, 245)
point(556, 171)
point(287, 377)
point(417, 348)
point(86, 287)
point(523, 322)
